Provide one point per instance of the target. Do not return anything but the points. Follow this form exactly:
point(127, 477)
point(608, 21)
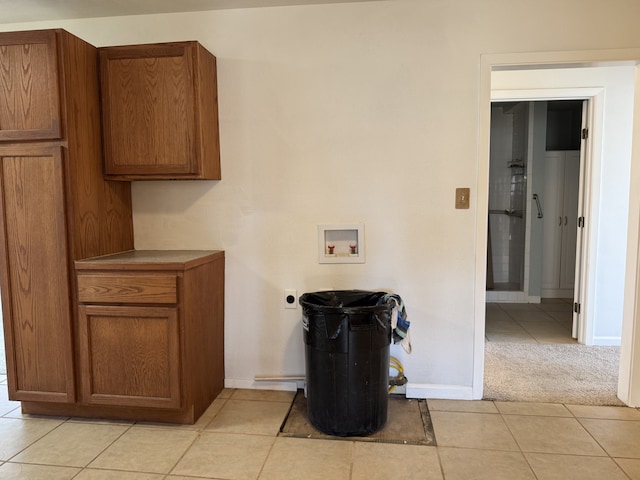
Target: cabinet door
point(571, 183)
point(147, 112)
point(29, 86)
point(160, 111)
point(130, 356)
point(35, 277)
point(560, 205)
point(553, 219)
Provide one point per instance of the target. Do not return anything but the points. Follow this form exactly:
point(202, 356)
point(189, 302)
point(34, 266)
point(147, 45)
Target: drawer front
point(109, 288)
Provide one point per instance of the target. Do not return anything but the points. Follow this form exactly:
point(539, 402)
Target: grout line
point(266, 457)
point(440, 462)
point(62, 422)
point(197, 437)
point(595, 439)
point(106, 447)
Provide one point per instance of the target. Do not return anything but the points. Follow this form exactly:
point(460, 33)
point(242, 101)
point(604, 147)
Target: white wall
point(349, 113)
point(610, 170)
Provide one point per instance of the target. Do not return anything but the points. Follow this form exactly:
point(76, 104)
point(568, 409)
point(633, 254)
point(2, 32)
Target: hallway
point(546, 322)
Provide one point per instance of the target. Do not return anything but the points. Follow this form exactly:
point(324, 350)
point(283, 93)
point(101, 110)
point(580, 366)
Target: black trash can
point(347, 334)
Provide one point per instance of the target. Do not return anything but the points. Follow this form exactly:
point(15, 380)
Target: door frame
point(629, 375)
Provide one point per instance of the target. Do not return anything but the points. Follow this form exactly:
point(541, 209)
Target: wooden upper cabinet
point(29, 86)
point(160, 112)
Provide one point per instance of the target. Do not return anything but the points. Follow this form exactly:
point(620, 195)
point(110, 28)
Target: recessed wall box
point(341, 243)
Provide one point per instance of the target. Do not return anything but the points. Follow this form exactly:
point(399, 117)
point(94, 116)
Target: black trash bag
point(347, 334)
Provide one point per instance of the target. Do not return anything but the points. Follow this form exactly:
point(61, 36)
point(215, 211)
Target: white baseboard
point(557, 293)
point(445, 392)
point(511, 297)
point(506, 297)
point(607, 341)
point(288, 386)
point(412, 390)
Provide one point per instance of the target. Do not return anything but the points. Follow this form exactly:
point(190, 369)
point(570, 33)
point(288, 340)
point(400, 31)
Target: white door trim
point(628, 371)
point(629, 377)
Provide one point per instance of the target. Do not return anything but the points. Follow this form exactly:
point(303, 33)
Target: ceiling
point(18, 11)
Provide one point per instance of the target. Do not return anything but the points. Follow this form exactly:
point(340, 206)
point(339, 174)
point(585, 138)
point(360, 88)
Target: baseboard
point(445, 392)
point(289, 386)
point(556, 293)
point(607, 341)
point(412, 390)
point(506, 297)
point(511, 297)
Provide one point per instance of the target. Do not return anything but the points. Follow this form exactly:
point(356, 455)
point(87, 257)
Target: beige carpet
point(572, 374)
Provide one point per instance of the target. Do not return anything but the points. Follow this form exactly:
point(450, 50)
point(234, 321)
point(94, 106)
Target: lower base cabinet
point(130, 356)
point(150, 336)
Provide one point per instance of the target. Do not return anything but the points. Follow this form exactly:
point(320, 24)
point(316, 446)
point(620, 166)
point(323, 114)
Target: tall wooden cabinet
point(55, 206)
point(560, 205)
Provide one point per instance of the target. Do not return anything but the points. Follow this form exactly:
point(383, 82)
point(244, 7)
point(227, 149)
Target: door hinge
point(585, 133)
point(576, 308)
point(581, 222)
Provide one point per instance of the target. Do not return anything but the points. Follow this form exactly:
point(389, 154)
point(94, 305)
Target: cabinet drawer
point(105, 288)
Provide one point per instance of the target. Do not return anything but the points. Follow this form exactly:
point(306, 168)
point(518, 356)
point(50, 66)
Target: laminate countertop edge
point(150, 260)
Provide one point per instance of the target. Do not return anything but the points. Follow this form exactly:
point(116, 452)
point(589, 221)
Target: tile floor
point(237, 439)
point(546, 322)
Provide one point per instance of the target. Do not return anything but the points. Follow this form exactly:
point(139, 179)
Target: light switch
point(462, 197)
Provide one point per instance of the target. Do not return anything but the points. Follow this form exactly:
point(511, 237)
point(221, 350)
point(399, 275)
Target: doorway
point(534, 192)
point(544, 326)
point(535, 152)
point(606, 252)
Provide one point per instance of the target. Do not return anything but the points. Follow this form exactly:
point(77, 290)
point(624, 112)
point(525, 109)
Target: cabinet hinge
point(581, 222)
point(585, 133)
point(576, 307)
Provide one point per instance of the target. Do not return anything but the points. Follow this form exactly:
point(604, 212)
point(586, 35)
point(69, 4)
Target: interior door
point(578, 330)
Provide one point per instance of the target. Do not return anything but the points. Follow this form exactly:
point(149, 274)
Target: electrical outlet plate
point(290, 298)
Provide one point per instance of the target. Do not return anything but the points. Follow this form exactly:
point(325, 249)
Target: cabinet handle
point(565, 220)
point(559, 221)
